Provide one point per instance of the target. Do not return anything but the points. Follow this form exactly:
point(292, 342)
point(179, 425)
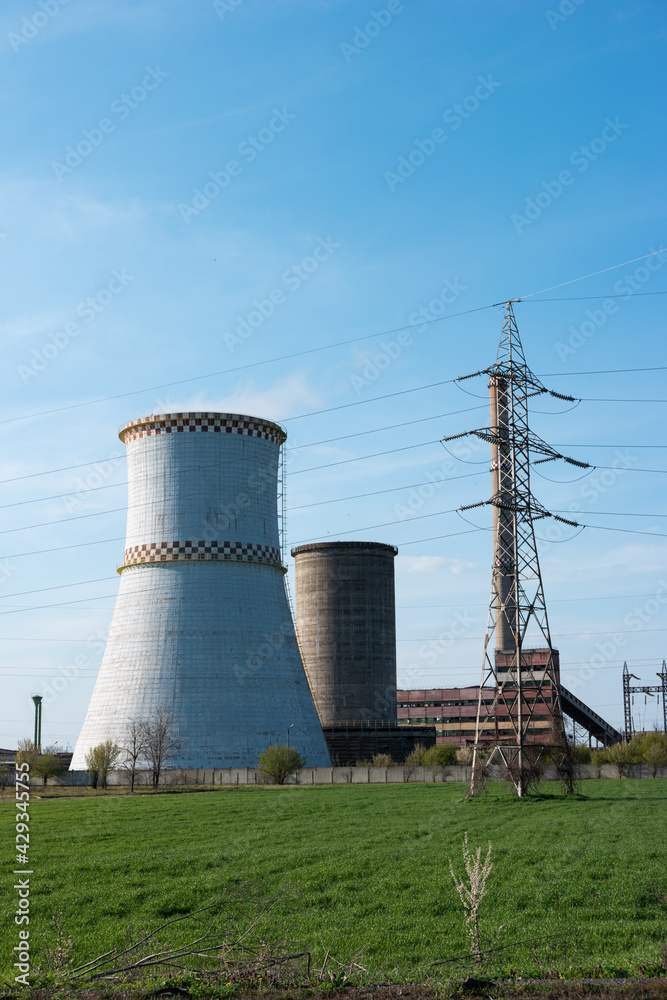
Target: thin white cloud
point(286, 396)
point(430, 564)
point(84, 15)
point(32, 325)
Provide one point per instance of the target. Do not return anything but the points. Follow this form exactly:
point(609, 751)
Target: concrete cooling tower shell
point(346, 624)
point(202, 625)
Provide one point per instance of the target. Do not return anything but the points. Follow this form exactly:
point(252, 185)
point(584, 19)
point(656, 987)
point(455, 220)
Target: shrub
point(6, 777)
point(48, 765)
point(656, 757)
point(382, 760)
point(581, 754)
point(598, 759)
point(27, 753)
point(416, 756)
point(439, 756)
point(278, 762)
point(464, 755)
point(100, 760)
point(621, 755)
point(654, 751)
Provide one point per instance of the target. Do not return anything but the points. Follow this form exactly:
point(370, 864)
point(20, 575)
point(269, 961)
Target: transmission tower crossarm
point(528, 379)
point(536, 444)
point(485, 433)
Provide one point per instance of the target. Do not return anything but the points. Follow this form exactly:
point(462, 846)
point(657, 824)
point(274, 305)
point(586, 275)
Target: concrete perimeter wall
point(333, 775)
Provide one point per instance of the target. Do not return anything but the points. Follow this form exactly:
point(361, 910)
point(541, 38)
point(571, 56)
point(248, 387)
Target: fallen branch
point(504, 947)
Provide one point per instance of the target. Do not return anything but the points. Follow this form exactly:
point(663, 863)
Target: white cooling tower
point(202, 625)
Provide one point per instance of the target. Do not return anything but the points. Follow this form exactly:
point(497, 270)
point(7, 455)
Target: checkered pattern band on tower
point(157, 552)
point(216, 423)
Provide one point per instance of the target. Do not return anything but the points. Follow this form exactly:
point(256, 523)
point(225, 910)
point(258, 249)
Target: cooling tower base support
point(352, 742)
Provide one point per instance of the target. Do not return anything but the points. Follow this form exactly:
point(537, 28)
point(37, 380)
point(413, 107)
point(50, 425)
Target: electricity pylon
point(629, 691)
point(525, 684)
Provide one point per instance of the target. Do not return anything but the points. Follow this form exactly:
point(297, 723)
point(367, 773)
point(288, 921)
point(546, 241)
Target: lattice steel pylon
point(526, 691)
point(629, 690)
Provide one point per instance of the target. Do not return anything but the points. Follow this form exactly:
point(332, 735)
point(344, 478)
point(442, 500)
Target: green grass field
point(368, 867)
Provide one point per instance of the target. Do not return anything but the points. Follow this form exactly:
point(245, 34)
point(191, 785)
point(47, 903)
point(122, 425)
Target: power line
point(391, 427)
point(614, 468)
point(393, 489)
point(68, 604)
point(466, 604)
point(627, 531)
point(62, 548)
point(612, 665)
point(614, 399)
point(585, 298)
point(329, 465)
point(104, 541)
point(608, 513)
point(377, 454)
point(556, 600)
point(361, 402)
point(215, 489)
point(59, 586)
point(312, 350)
point(560, 444)
point(557, 635)
point(331, 409)
point(383, 524)
point(399, 607)
point(252, 364)
point(340, 499)
point(300, 416)
point(607, 371)
point(593, 274)
point(65, 468)
point(61, 496)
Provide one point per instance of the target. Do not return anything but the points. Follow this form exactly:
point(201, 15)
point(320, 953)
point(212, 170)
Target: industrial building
point(345, 616)
point(202, 625)
point(453, 711)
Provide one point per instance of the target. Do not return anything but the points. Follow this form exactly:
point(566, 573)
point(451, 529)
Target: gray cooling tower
point(202, 624)
point(346, 624)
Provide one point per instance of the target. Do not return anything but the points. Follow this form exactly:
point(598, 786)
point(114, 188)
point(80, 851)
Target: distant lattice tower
point(202, 625)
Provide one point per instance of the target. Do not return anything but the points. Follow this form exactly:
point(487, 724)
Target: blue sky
point(197, 188)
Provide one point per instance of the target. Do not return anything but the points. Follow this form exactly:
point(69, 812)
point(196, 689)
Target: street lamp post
point(288, 729)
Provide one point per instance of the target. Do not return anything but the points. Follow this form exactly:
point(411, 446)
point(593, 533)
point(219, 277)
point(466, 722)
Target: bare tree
point(133, 747)
point(162, 743)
